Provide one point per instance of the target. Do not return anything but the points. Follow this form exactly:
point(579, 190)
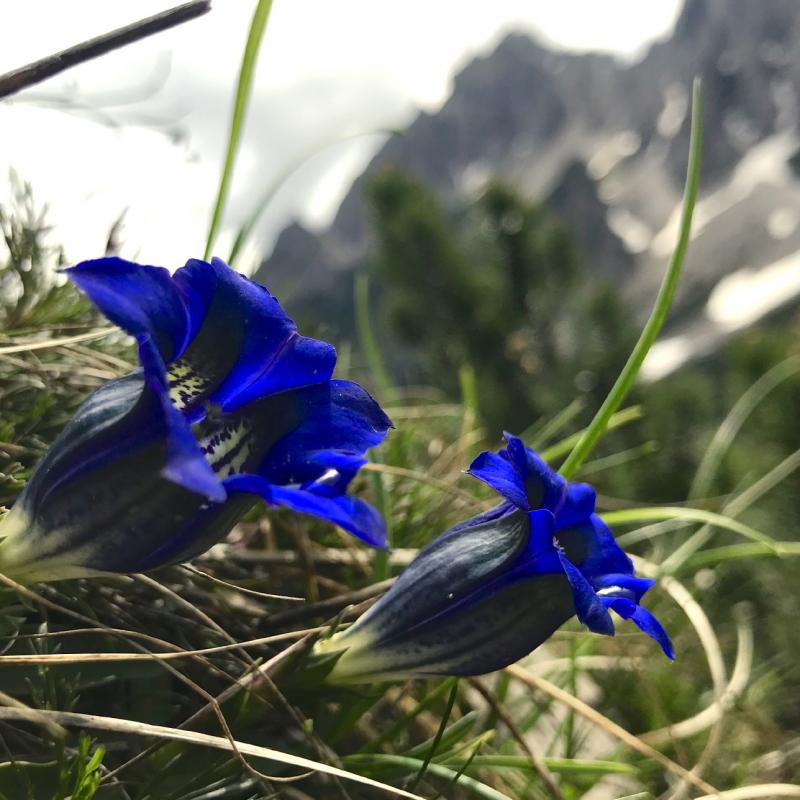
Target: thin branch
point(31, 74)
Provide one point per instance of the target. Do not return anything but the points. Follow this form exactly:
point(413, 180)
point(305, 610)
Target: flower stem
point(663, 302)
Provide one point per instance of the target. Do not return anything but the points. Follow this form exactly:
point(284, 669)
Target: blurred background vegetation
point(466, 318)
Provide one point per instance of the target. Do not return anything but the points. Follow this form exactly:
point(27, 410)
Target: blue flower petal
point(144, 302)
point(340, 467)
point(337, 415)
point(141, 300)
point(593, 549)
point(502, 476)
point(578, 505)
point(623, 585)
point(590, 610)
point(540, 541)
point(185, 464)
point(350, 513)
point(544, 487)
point(647, 623)
point(263, 352)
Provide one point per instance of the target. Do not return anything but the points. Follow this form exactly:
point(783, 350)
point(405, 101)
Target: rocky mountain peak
point(605, 144)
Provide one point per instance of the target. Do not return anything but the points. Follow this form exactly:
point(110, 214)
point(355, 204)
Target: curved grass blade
point(733, 509)
point(561, 766)
point(733, 552)
point(617, 420)
point(663, 302)
point(659, 513)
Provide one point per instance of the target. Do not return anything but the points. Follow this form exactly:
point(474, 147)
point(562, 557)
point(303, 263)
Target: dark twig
point(51, 65)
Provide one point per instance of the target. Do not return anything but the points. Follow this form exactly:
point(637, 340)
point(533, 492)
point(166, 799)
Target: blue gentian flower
point(230, 404)
point(492, 589)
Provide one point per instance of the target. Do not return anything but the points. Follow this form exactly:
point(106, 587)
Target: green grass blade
point(454, 733)
point(243, 89)
point(733, 509)
point(540, 434)
point(372, 353)
point(663, 302)
point(425, 703)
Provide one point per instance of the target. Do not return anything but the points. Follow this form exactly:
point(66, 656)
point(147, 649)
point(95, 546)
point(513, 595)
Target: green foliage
point(40, 388)
point(31, 294)
point(82, 778)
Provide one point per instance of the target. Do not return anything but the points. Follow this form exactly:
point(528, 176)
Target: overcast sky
point(146, 126)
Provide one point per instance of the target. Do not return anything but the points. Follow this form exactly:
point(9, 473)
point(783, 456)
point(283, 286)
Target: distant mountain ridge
point(605, 144)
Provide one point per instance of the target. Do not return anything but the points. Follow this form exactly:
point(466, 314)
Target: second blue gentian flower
point(230, 405)
point(492, 589)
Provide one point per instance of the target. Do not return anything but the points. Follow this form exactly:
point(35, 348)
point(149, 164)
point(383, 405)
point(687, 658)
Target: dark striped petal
point(494, 633)
point(445, 574)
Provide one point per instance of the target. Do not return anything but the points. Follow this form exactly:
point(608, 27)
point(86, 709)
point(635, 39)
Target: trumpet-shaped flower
point(230, 404)
point(492, 589)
